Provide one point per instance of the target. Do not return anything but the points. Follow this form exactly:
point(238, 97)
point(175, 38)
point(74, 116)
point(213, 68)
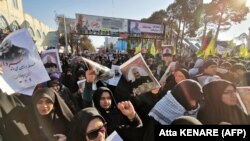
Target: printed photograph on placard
point(21, 65)
point(102, 72)
point(81, 85)
point(51, 61)
point(244, 98)
point(139, 75)
point(117, 75)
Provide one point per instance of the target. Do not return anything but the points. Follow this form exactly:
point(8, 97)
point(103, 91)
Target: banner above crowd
point(139, 27)
point(97, 23)
point(85, 24)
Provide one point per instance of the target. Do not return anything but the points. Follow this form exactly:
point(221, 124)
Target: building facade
point(12, 17)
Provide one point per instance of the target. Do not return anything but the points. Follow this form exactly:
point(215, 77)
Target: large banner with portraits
point(98, 23)
point(21, 64)
point(139, 27)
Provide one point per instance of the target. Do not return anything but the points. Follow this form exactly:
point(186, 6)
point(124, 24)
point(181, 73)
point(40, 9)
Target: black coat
point(114, 118)
point(11, 128)
point(215, 110)
point(43, 127)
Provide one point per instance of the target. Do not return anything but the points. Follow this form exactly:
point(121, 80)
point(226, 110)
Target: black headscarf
point(59, 105)
point(215, 111)
point(185, 90)
point(171, 82)
point(97, 96)
point(80, 123)
point(56, 122)
point(184, 72)
point(213, 91)
point(10, 111)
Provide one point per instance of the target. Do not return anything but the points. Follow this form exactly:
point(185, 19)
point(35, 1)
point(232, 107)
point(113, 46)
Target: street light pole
point(65, 35)
point(164, 29)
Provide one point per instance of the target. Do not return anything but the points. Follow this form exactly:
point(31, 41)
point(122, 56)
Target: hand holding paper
point(100, 71)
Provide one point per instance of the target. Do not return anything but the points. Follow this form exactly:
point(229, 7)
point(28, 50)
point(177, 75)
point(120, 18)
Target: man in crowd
point(208, 74)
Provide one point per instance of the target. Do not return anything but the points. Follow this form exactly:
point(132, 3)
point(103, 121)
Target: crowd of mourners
point(196, 91)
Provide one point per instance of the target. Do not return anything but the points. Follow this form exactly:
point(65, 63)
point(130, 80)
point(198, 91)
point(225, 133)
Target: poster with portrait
point(168, 49)
point(51, 60)
point(102, 72)
point(21, 64)
point(117, 75)
point(85, 23)
point(243, 96)
point(139, 75)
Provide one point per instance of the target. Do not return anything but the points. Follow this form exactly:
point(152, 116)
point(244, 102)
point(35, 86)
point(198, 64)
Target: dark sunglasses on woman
point(94, 133)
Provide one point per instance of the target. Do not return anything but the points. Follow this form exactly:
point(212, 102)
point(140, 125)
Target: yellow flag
point(244, 51)
point(153, 50)
point(138, 49)
point(210, 50)
point(199, 53)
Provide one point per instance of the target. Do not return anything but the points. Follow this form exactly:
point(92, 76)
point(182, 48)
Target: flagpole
point(65, 36)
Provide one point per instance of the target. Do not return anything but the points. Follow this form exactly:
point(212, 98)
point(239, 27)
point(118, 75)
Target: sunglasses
point(93, 134)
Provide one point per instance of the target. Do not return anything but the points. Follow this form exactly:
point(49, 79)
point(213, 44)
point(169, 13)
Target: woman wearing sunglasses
point(88, 125)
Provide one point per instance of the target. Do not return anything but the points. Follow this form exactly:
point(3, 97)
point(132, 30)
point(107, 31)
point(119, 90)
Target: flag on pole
point(206, 40)
point(153, 50)
point(210, 49)
point(138, 48)
point(244, 51)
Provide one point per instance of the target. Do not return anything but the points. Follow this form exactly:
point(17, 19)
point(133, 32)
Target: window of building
point(43, 35)
point(31, 31)
point(14, 26)
point(38, 34)
point(15, 4)
point(3, 22)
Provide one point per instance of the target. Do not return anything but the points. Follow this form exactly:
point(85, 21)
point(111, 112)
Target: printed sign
point(21, 63)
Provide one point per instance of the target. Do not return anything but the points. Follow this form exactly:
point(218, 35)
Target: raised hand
point(127, 109)
point(90, 76)
point(155, 91)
